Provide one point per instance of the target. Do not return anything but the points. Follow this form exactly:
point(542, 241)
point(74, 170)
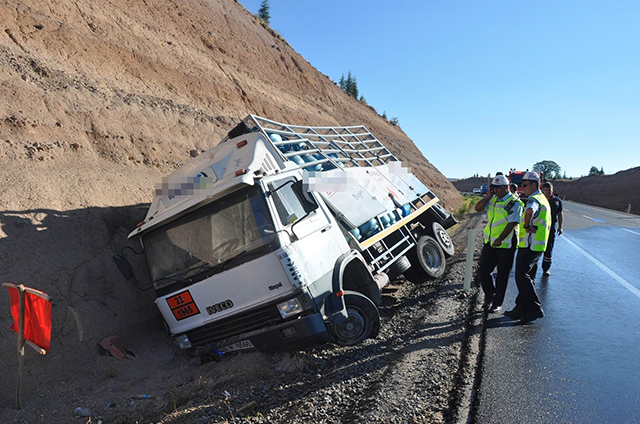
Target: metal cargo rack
point(352, 146)
point(349, 146)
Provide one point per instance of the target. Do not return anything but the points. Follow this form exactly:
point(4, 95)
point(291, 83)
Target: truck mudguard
point(334, 306)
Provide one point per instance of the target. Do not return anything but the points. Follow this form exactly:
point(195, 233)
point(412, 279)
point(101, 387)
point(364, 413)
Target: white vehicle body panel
point(247, 285)
point(209, 176)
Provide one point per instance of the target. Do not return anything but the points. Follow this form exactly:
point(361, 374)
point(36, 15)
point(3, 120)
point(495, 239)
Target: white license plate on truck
point(245, 344)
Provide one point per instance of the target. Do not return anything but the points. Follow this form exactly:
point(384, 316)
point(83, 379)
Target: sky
point(483, 86)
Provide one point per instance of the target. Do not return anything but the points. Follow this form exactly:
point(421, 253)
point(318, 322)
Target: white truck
point(282, 237)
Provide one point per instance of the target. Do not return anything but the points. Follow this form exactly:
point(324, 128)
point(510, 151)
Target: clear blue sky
point(484, 86)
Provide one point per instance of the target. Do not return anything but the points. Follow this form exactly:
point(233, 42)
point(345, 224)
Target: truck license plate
point(245, 344)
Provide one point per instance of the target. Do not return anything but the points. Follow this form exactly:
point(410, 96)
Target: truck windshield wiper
point(222, 266)
point(176, 275)
point(201, 267)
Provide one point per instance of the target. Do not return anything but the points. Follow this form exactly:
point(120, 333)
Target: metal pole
point(20, 342)
point(469, 265)
point(629, 208)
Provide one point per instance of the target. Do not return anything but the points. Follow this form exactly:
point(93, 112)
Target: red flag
point(37, 317)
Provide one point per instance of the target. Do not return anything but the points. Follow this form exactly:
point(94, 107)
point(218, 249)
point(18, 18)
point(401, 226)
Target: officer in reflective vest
point(504, 212)
point(534, 235)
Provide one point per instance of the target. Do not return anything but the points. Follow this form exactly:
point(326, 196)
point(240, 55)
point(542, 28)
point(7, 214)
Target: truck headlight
point(183, 341)
point(289, 308)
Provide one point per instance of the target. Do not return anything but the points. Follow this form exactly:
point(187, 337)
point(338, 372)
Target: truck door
point(316, 240)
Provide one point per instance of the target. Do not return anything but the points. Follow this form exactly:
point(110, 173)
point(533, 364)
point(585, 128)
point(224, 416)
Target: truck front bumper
point(304, 332)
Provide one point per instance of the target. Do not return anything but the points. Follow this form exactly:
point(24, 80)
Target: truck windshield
point(209, 236)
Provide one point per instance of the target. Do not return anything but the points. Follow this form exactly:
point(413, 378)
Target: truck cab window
point(287, 199)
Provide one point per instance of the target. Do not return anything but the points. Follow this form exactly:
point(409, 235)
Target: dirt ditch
point(419, 369)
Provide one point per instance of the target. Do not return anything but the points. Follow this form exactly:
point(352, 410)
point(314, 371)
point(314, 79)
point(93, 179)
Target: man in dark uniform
point(556, 217)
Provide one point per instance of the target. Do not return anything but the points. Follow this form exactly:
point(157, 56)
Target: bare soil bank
point(98, 100)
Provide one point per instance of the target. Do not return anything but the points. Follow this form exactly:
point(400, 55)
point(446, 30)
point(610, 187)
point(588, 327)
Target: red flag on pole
point(37, 317)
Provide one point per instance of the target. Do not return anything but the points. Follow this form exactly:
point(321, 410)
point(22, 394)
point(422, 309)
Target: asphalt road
point(581, 362)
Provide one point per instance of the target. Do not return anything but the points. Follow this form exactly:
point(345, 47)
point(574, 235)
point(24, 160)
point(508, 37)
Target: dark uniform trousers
point(546, 260)
point(490, 258)
point(526, 268)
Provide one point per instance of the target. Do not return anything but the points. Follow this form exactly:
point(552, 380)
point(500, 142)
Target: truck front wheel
point(363, 321)
point(427, 260)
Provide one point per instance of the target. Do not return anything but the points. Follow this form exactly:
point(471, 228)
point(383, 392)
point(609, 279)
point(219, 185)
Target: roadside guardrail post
point(469, 265)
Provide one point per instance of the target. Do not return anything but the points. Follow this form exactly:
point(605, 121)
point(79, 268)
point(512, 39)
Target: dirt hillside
point(97, 101)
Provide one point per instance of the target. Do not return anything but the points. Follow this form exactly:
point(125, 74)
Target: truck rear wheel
point(400, 266)
point(440, 234)
point(363, 321)
point(427, 260)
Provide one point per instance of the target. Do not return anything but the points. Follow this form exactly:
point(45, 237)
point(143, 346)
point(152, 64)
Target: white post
point(629, 208)
point(469, 266)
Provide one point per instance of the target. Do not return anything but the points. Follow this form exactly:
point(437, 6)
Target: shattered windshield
point(209, 236)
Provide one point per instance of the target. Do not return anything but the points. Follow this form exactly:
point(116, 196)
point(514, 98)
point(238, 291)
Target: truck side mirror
point(123, 265)
point(305, 197)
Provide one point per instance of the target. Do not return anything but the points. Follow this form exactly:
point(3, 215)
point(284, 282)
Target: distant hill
point(468, 184)
point(616, 191)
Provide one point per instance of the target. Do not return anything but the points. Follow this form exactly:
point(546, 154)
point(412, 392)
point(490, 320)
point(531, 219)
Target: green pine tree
point(263, 12)
point(354, 88)
point(343, 83)
point(348, 83)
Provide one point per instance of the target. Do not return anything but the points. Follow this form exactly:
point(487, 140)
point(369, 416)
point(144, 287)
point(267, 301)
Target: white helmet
point(530, 176)
point(499, 181)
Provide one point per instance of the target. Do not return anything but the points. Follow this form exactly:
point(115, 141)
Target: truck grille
point(237, 324)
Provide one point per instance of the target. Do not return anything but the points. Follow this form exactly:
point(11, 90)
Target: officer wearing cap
point(534, 235)
point(513, 188)
point(504, 212)
point(557, 216)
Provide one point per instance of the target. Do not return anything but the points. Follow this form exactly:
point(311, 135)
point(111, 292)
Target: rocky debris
point(419, 369)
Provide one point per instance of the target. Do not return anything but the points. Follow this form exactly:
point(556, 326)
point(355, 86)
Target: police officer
point(557, 216)
point(534, 235)
point(504, 212)
point(513, 188)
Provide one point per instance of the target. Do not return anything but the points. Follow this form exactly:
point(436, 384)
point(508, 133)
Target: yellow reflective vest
point(542, 224)
point(498, 218)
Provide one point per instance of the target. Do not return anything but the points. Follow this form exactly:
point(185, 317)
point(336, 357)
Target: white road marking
point(632, 232)
point(594, 219)
point(602, 266)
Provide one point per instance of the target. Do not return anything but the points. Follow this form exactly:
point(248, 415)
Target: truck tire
point(442, 237)
point(427, 260)
point(363, 321)
point(400, 266)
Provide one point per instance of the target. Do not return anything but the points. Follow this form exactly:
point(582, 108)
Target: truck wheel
point(440, 234)
point(400, 266)
point(363, 321)
point(427, 260)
